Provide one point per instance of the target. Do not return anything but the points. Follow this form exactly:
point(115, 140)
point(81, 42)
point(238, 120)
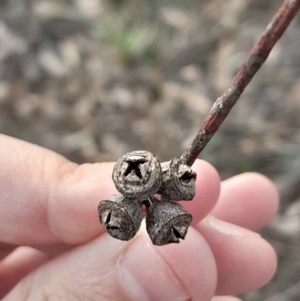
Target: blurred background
point(94, 79)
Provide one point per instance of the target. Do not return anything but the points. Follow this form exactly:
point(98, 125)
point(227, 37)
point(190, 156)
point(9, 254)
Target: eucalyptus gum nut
point(167, 222)
point(120, 217)
point(137, 175)
point(178, 181)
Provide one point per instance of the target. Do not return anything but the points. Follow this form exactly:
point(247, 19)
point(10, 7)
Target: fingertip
point(245, 261)
point(271, 263)
point(266, 187)
point(254, 198)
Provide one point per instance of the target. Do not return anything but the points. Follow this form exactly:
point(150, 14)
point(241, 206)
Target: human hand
point(50, 204)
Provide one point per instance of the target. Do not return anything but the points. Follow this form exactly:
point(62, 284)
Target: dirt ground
point(94, 79)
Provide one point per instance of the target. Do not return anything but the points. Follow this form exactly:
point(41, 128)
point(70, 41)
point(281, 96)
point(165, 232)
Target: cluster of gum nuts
point(143, 182)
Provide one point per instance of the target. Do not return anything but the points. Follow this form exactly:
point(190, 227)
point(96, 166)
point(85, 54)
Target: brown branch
point(256, 58)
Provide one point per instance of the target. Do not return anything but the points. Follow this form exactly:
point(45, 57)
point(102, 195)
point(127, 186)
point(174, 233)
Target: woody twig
point(256, 58)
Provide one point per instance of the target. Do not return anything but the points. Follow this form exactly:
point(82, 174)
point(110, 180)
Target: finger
point(125, 271)
point(51, 250)
point(245, 261)
point(47, 199)
point(249, 200)
point(207, 191)
point(5, 249)
point(17, 265)
point(225, 298)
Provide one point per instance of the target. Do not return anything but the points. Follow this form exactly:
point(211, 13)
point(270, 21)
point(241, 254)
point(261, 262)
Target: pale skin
point(49, 205)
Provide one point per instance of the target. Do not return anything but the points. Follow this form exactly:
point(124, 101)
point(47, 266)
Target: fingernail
point(228, 228)
point(146, 277)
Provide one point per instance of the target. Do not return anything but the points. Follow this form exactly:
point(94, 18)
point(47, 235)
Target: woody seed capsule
point(178, 181)
point(137, 175)
point(167, 222)
point(120, 217)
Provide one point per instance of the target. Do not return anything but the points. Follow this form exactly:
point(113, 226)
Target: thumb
point(184, 271)
point(108, 269)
